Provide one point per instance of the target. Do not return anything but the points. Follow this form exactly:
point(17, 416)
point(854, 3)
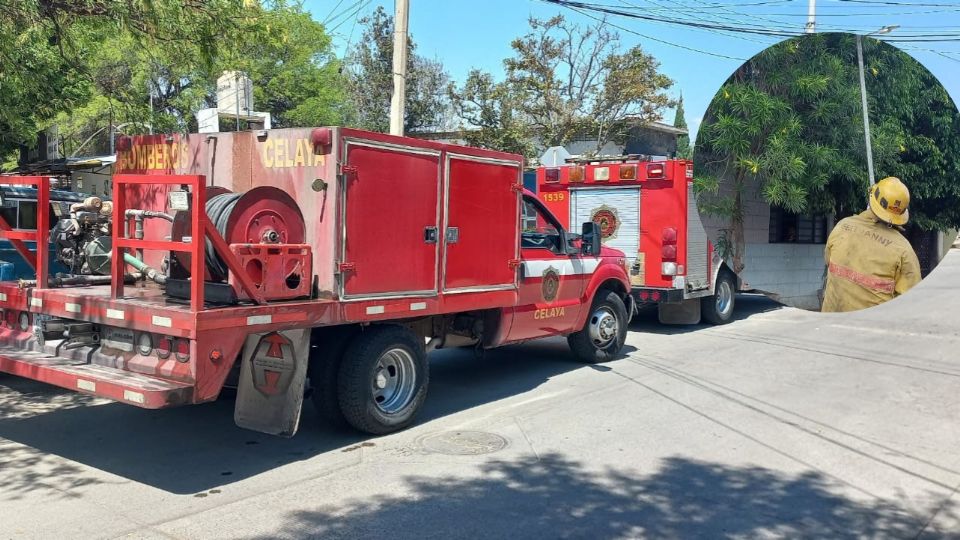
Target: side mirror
point(590, 239)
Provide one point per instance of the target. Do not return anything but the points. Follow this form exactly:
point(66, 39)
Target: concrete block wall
point(789, 273)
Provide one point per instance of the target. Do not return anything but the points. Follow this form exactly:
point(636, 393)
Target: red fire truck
point(648, 210)
point(273, 260)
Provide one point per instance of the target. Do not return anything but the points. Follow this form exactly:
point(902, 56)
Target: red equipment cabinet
point(648, 210)
point(346, 254)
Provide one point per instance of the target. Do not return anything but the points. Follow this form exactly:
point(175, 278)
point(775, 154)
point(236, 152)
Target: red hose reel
point(266, 233)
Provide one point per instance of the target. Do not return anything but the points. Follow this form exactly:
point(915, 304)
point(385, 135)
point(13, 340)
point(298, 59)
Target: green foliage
point(491, 108)
point(563, 82)
point(370, 79)
point(96, 63)
point(684, 150)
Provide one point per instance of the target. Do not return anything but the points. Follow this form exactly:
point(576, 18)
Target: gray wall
point(789, 273)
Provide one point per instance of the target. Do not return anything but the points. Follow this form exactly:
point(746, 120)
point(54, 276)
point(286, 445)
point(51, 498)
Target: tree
point(47, 48)
point(684, 150)
point(566, 82)
point(491, 108)
point(370, 80)
point(286, 53)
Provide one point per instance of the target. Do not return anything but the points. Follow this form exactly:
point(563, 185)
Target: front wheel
point(383, 380)
point(605, 331)
point(718, 309)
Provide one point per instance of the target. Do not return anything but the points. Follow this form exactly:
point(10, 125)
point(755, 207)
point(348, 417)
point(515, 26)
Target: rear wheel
point(605, 331)
point(383, 380)
point(718, 309)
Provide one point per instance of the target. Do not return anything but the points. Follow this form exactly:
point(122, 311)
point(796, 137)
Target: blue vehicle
point(18, 207)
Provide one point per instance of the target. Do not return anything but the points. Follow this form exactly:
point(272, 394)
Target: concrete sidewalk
point(782, 424)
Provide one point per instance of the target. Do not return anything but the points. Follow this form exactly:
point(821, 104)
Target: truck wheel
point(605, 331)
point(383, 380)
point(718, 308)
point(326, 354)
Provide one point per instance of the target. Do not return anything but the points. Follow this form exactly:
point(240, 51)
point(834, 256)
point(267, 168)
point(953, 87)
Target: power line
point(665, 42)
point(743, 28)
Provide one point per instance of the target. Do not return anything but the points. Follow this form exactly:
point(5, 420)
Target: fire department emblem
point(551, 284)
point(606, 218)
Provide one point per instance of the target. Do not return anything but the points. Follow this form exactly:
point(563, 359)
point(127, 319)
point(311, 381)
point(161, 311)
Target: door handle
point(453, 235)
point(430, 235)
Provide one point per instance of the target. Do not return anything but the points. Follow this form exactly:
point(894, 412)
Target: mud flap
point(685, 312)
point(273, 373)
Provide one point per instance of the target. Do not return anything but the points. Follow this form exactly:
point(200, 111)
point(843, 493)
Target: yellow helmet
point(889, 200)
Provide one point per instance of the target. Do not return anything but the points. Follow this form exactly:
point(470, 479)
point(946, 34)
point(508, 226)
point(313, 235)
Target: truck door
point(391, 217)
point(551, 280)
point(616, 211)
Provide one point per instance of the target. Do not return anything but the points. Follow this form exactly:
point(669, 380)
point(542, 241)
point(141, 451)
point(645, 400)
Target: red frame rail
point(199, 223)
point(41, 235)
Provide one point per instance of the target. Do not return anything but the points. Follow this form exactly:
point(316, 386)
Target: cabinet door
point(482, 220)
point(391, 215)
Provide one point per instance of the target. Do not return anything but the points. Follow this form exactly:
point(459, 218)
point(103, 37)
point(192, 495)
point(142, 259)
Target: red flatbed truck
point(273, 260)
point(648, 210)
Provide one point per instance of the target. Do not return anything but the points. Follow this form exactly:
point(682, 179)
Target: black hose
point(219, 208)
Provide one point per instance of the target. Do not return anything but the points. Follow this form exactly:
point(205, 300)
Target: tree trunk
point(736, 225)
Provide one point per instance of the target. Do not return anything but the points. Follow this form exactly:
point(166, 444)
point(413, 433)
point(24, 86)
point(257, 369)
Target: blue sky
point(476, 34)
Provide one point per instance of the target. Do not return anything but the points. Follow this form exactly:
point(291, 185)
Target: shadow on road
point(684, 499)
point(191, 449)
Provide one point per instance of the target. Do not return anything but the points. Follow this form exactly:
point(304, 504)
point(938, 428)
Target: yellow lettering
point(299, 159)
point(151, 157)
point(286, 150)
point(278, 154)
point(175, 155)
point(319, 159)
point(548, 313)
point(184, 155)
point(141, 158)
point(268, 154)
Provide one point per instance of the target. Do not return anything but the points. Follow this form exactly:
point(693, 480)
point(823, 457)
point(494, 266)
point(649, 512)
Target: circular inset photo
point(827, 172)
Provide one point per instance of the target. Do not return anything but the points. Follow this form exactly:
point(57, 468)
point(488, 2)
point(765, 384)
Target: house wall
point(789, 273)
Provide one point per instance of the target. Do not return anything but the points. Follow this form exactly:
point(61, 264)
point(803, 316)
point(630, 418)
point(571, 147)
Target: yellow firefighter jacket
point(868, 263)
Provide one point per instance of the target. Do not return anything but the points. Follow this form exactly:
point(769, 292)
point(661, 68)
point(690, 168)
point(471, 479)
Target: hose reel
point(263, 215)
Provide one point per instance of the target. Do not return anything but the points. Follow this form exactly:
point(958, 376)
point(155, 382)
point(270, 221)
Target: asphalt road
point(781, 424)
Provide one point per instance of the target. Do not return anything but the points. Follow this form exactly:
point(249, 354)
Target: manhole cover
point(463, 443)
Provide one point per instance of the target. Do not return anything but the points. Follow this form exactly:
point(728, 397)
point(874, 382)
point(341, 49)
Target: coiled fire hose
point(219, 208)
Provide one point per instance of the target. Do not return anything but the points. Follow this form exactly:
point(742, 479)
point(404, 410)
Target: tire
point(604, 332)
point(718, 308)
point(383, 379)
point(327, 346)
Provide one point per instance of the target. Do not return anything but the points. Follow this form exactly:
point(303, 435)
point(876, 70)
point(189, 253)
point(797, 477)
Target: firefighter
point(868, 259)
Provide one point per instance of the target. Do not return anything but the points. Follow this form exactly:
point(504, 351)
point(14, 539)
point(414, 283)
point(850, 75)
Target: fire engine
point(279, 261)
point(648, 210)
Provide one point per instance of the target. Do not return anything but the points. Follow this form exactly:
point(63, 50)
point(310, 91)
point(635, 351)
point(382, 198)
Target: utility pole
point(866, 115)
point(399, 66)
point(811, 16)
point(863, 96)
